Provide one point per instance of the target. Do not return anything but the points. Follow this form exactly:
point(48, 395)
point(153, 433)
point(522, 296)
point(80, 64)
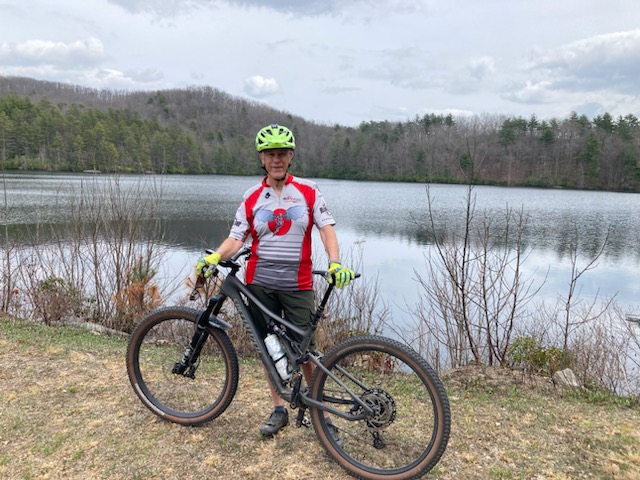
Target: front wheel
point(398, 426)
point(193, 394)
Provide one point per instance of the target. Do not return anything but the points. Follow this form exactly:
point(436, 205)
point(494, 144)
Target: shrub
point(526, 353)
point(137, 297)
point(55, 300)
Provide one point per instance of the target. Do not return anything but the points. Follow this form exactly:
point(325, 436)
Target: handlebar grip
point(325, 274)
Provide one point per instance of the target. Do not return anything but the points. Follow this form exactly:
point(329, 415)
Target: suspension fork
point(188, 365)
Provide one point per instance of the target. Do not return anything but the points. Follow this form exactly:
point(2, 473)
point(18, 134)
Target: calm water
point(384, 222)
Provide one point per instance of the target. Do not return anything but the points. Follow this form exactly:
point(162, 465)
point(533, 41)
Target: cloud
point(310, 8)
point(339, 89)
point(260, 87)
point(532, 93)
point(161, 8)
point(406, 67)
point(609, 62)
point(171, 8)
point(481, 67)
point(471, 78)
point(148, 75)
point(43, 52)
point(591, 75)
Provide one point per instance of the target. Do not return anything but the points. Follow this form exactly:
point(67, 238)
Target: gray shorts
point(298, 307)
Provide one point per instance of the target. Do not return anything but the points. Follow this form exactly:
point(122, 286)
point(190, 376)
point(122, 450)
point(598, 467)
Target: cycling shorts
point(297, 306)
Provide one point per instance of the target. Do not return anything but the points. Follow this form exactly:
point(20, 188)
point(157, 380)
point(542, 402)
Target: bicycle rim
point(406, 432)
point(155, 347)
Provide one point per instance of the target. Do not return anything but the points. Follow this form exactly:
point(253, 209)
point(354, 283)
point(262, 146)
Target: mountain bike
point(389, 411)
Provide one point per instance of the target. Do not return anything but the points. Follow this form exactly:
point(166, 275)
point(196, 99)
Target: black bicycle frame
point(235, 289)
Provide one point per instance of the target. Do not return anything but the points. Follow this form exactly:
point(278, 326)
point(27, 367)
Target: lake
point(385, 223)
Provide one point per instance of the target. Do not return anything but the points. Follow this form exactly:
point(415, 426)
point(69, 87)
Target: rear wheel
point(400, 427)
point(188, 396)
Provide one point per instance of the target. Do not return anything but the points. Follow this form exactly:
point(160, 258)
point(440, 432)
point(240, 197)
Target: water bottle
point(277, 353)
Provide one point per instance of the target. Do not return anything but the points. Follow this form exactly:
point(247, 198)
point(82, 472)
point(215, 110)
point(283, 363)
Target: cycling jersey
point(280, 231)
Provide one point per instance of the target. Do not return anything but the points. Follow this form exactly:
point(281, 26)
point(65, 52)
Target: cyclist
point(277, 215)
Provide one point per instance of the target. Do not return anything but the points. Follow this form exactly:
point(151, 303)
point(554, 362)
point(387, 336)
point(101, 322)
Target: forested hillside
point(57, 127)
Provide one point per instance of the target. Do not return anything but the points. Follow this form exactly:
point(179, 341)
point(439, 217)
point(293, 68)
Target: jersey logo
point(279, 221)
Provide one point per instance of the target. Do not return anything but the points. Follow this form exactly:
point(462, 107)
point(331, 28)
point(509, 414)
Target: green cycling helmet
point(275, 136)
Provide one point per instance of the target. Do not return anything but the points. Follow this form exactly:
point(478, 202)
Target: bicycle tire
point(157, 343)
point(408, 432)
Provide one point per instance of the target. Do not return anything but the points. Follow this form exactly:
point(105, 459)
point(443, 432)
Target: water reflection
point(392, 220)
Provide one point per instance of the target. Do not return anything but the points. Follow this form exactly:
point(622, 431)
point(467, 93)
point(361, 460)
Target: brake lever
point(198, 286)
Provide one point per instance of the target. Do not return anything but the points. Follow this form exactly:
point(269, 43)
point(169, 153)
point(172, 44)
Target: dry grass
point(67, 411)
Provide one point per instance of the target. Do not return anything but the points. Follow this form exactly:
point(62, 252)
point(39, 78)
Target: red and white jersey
point(280, 231)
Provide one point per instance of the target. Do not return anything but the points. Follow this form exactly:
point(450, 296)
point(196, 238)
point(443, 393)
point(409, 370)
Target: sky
point(343, 61)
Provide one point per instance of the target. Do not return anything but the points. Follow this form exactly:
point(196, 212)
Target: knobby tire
point(408, 432)
point(157, 343)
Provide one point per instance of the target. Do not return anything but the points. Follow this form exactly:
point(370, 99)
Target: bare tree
point(475, 292)
point(576, 273)
point(9, 252)
point(106, 257)
point(602, 352)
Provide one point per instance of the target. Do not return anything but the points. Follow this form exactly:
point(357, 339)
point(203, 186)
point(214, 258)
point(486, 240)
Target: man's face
point(276, 162)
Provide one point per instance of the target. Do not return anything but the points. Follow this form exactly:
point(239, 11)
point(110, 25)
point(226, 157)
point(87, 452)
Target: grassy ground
point(67, 411)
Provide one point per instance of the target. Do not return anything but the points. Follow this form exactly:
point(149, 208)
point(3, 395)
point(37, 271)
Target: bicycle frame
point(297, 353)
point(376, 405)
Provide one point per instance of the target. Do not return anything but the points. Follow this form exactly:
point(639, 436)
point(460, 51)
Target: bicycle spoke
point(190, 395)
point(405, 432)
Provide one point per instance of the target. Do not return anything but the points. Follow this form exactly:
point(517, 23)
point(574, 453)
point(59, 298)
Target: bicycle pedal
point(305, 422)
point(302, 420)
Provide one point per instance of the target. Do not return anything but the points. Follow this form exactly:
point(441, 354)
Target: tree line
point(57, 127)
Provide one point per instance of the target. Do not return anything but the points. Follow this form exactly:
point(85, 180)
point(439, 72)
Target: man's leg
point(279, 417)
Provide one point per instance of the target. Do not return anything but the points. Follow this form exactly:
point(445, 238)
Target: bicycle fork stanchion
point(188, 365)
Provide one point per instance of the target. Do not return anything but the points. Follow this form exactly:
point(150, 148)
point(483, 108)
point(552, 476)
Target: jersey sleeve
point(321, 214)
point(240, 228)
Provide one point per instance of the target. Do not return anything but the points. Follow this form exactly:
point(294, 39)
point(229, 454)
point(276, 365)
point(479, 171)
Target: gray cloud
point(591, 73)
point(148, 75)
point(162, 8)
point(531, 93)
point(308, 7)
point(86, 52)
point(481, 67)
point(603, 62)
point(340, 89)
point(407, 67)
point(320, 7)
point(343, 60)
point(168, 8)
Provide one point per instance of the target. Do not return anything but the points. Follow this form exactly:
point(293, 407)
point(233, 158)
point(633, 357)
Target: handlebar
point(233, 264)
point(325, 274)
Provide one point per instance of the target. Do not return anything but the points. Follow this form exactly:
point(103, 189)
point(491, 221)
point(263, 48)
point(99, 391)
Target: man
point(278, 215)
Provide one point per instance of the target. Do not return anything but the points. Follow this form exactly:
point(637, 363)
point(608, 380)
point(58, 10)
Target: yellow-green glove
point(342, 275)
point(204, 263)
